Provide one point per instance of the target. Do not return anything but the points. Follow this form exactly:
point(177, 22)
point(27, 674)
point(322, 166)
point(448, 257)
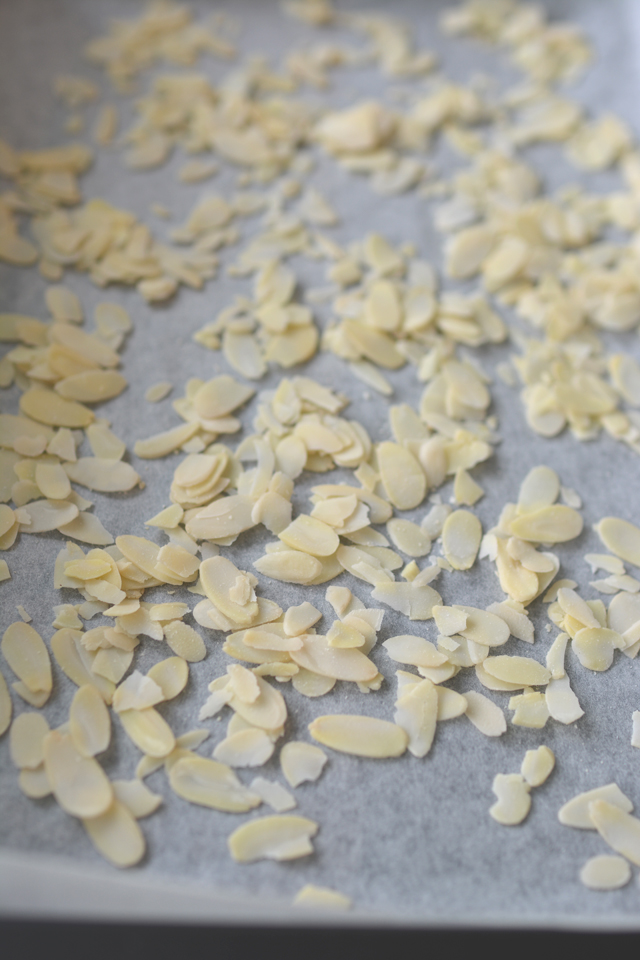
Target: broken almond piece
point(537, 765)
point(513, 802)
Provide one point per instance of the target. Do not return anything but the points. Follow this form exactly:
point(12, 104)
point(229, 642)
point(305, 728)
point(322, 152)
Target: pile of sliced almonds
point(547, 257)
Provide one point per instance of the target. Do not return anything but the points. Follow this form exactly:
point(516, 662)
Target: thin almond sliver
point(137, 797)
point(6, 707)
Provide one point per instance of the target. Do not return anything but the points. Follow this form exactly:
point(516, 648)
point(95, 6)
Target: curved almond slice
point(79, 783)
point(268, 711)
point(301, 762)
point(340, 663)
point(310, 535)
point(211, 784)
point(524, 670)
point(144, 554)
point(218, 397)
point(68, 657)
point(116, 835)
point(513, 802)
point(538, 765)
point(562, 703)
point(246, 748)
point(483, 627)
point(311, 684)
point(48, 407)
point(89, 722)
point(605, 872)
point(450, 704)
point(518, 583)
point(7, 518)
point(402, 476)
point(225, 517)
point(621, 537)
point(263, 639)
point(185, 641)
point(89, 347)
point(35, 783)
point(467, 250)
point(290, 566)
point(149, 731)
point(595, 647)
point(576, 813)
point(272, 838)
point(105, 476)
point(274, 794)
point(92, 386)
point(461, 536)
point(624, 612)
point(413, 600)
point(136, 797)
point(53, 481)
point(555, 524)
point(360, 735)
point(171, 675)
point(86, 528)
point(28, 731)
point(540, 488)
point(617, 828)
point(6, 707)
point(485, 714)
point(218, 577)
point(162, 444)
point(409, 537)
point(28, 657)
point(576, 607)
point(45, 515)
point(417, 651)
point(519, 624)
point(417, 712)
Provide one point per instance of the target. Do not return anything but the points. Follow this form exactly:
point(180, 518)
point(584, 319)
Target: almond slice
point(402, 476)
point(171, 675)
point(339, 663)
point(537, 765)
point(149, 731)
point(79, 783)
point(116, 835)
point(617, 828)
point(605, 872)
point(523, 670)
point(576, 813)
point(28, 657)
point(272, 838)
point(246, 748)
point(513, 802)
point(211, 784)
point(554, 524)
point(6, 707)
point(360, 735)
point(461, 536)
point(136, 797)
point(485, 714)
point(621, 537)
point(26, 741)
point(89, 722)
point(301, 762)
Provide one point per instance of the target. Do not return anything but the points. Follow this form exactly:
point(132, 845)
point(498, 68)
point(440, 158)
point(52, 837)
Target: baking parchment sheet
point(409, 840)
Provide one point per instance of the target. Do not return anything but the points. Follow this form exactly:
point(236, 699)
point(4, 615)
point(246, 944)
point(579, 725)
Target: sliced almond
point(116, 835)
point(605, 872)
point(617, 828)
point(26, 742)
point(485, 714)
point(89, 722)
point(272, 838)
point(246, 748)
point(79, 783)
point(28, 657)
point(359, 735)
point(211, 784)
point(149, 731)
point(513, 802)
point(461, 536)
point(136, 797)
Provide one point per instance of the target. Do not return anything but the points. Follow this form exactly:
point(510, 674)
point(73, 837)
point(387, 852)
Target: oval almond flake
point(89, 722)
point(79, 783)
point(272, 838)
point(402, 476)
point(409, 537)
point(53, 481)
point(218, 577)
point(360, 735)
point(35, 783)
point(575, 812)
point(554, 524)
point(340, 663)
point(417, 651)
point(211, 784)
point(246, 748)
point(461, 536)
point(268, 711)
point(171, 675)
point(162, 444)
point(617, 828)
point(45, 515)
point(621, 537)
point(522, 670)
point(28, 657)
point(92, 386)
point(310, 535)
point(289, 566)
point(116, 835)
point(26, 740)
point(48, 407)
point(104, 476)
point(185, 641)
point(149, 731)
point(136, 797)
point(485, 715)
point(605, 872)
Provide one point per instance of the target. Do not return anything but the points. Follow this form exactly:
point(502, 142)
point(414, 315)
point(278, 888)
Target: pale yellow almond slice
point(300, 618)
point(185, 641)
point(149, 731)
point(467, 250)
point(321, 898)
point(402, 476)
point(35, 783)
point(554, 524)
point(89, 722)
point(136, 797)
point(517, 621)
point(301, 762)
point(28, 657)
point(621, 537)
point(167, 519)
point(37, 700)
point(311, 684)
point(513, 802)
point(537, 765)
point(417, 712)
point(576, 607)
point(340, 663)
point(89, 347)
point(68, 657)
point(461, 536)
point(485, 714)
point(408, 537)
point(246, 748)
point(407, 648)
point(48, 407)
point(79, 783)
point(290, 566)
point(449, 620)
point(268, 711)
point(465, 490)
point(605, 872)
point(162, 444)
point(92, 386)
point(528, 556)
point(483, 627)
point(540, 488)
point(595, 647)
point(272, 838)
point(171, 675)
point(617, 828)
point(26, 739)
point(105, 476)
point(45, 515)
point(360, 735)
point(179, 561)
point(116, 835)
point(262, 639)
point(273, 793)
point(144, 554)
point(450, 704)
point(414, 600)
point(531, 710)
point(158, 391)
point(562, 703)
point(576, 812)
point(520, 584)
point(243, 683)
point(523, 670)
point(53, 481)
point(14, 427)
point(7, 518)
point(104, 443)
point(344, 635)
point(225, 517)
point(218, 576)
point(211, 784)
point(5, 573)
point(218, 397)
point(555, 656)
point(87, 528)
point(310, 535)
point(5, 706)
